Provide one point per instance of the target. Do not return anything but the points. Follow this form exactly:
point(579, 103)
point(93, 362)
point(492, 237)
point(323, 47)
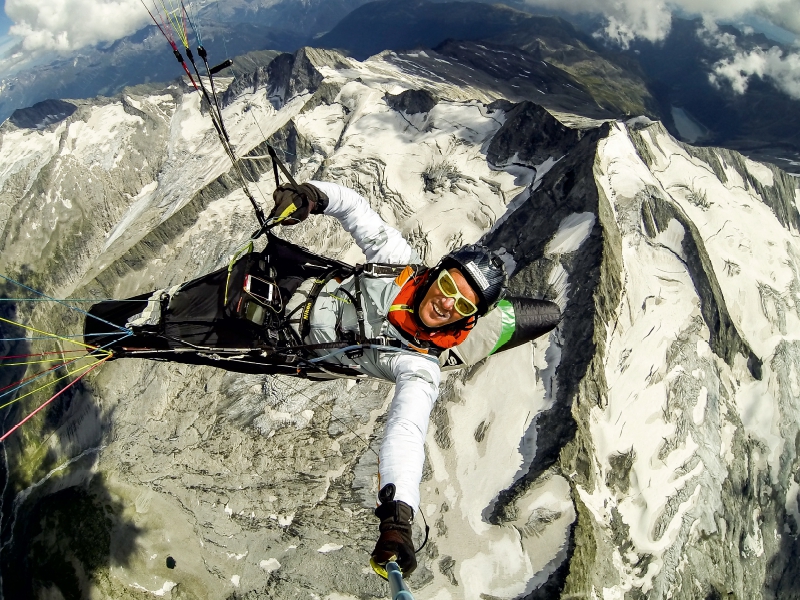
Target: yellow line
point(52, 383)
point(52, 335)
point(176, 22)
point(41, 362)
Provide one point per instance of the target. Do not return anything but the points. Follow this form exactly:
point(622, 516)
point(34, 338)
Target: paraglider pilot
point(423, 311)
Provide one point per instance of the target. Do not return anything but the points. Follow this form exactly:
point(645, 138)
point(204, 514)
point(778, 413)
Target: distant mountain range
point(140, 58)
point(667, 81)
point(389, 25)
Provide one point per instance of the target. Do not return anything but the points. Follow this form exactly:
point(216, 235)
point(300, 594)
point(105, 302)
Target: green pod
point(514, 322)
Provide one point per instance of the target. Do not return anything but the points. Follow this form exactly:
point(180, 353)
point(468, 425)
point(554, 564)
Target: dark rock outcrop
point(42, 114)
point(293, 74)
point(412, 102)
point(531, 135)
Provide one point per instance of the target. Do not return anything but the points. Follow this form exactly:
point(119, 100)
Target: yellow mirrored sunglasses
point(449, 288)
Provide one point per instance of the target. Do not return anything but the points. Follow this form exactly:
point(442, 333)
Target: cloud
point(66, 25)
point(627, 20)
point(782, 70)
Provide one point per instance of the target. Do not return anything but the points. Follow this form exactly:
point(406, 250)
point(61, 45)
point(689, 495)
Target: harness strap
point(305, 316)
point(403, 307)
point(362, 333)
point(388, 270)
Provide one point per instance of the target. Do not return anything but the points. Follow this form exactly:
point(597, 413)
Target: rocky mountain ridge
point(645, 448)
point(141, 58)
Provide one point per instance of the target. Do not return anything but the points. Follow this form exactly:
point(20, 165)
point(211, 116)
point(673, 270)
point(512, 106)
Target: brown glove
point(395, 541)
point(294, 205)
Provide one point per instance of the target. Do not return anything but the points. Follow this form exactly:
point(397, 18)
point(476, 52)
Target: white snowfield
point(275, 470)
point(679, 415)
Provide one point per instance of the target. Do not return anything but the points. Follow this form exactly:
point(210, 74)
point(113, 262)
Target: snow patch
point(756, 407)
point(572, 232)
point(330, 548)
point(640, 120)
point(161, 592)
point(139, 205)
point(672, 238)
point(760, 171)
point(558, 280)
point(270, 565)
point(102, 139)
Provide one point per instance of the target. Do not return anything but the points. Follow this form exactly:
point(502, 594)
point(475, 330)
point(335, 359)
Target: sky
point(66, 25)
point(46, 27)
point(5, 22)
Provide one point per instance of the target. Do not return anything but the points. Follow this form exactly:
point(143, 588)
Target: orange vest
point(401, 314)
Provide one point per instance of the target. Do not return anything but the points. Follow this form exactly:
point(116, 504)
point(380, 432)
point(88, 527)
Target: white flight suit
point(416, 376)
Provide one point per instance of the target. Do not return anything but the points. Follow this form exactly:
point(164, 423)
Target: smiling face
point(437, 310)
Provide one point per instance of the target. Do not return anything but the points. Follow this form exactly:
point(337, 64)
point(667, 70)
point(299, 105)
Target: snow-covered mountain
point(143, 57)
point(644, 449)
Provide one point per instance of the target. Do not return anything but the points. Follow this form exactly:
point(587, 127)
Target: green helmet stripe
point(509, 324)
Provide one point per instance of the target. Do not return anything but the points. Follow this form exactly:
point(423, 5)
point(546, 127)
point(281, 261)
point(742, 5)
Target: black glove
point(294, 205)
point(395, 541)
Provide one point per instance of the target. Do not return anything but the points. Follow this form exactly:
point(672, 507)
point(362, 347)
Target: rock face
point(644, 449)
point(42, 114)
point(412, 102)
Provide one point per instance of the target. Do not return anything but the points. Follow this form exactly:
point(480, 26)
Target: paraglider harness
point(234, 317)
point(353, 344)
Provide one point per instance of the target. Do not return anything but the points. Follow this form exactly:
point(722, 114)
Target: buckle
point(381, 340)
point(355, 353)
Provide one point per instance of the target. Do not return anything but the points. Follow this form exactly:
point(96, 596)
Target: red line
point(164, 33)
point(170, 40)
point(30, 416)
point(185, 68)
point(31, 377)
point(185, 33)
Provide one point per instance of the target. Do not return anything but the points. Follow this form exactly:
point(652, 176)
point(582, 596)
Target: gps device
point(260, 290)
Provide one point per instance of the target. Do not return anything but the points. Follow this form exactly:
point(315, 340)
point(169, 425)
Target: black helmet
point(484, 271)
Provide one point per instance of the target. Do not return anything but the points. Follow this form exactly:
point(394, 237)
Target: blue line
point(66, 364)
point(65, 304)
point(335, 353)
point(192, 23)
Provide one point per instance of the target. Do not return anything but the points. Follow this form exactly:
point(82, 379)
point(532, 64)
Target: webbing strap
point(305, 316)
point(385, 269)
point(403, 307)
point(355, 348)
point(362, 334)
